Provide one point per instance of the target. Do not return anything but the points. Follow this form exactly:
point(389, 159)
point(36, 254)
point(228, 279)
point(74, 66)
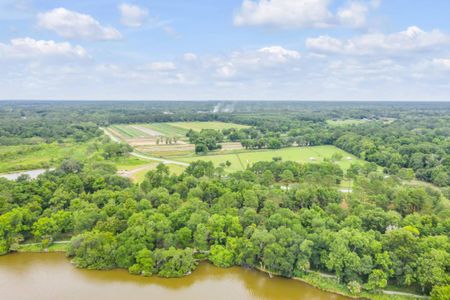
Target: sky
point(396, 50)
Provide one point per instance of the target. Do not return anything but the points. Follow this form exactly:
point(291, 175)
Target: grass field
point(128, 132)
point(167, 129)
point(28, 157)
point(240, 160)
point(198, 126)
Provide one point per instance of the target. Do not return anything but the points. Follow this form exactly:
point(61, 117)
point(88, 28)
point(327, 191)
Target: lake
point(37, 276)
point(32, 173)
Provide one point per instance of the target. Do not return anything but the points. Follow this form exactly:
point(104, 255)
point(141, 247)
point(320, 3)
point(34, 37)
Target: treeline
point(419, 144)
point(416, 138)
point(284, 217)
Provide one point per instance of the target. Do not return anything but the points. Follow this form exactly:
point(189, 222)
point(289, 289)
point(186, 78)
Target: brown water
point(50, 276)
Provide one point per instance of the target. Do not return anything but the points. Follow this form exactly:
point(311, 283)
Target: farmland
point(167, 139)
point(175, 129)
point(198, 126)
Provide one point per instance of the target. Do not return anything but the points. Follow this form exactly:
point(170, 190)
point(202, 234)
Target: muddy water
point(50, 276)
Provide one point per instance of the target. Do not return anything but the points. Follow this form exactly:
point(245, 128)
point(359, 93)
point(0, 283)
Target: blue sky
point(225, 50)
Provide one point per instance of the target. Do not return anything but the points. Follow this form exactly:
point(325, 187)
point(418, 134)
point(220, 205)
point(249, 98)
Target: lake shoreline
point(313, 279)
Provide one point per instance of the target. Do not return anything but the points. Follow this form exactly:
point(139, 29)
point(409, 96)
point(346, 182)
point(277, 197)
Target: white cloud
point(354, 14)
point(412, 39)
point(266, 57)
point(303, 13)
point(71, 24)
point(279, 54)
point(29, 48)
point(132, 15)
point(161, 66)
point(284, 13)
point(190, 57)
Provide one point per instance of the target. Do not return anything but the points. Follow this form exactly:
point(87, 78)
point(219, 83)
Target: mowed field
point(240, 160)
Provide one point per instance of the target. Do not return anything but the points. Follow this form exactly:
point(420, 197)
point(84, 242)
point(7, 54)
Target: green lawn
point(240, 160)
point(198, 126)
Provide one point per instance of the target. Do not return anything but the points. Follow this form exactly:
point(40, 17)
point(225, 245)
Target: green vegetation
point(275, 205)
point(199, 126)
point(241, 159)
point(28, 157)
point(347, 122)
point(167, 129)
point(388, 233)
point(38, 247)
point(128, 131)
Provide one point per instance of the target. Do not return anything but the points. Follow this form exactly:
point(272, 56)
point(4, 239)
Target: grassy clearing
point(347, 122)
point(198, 126)
point(28, 157)
point(128, 163)
point(241, 159)
point(139, 176)
point(55, 247)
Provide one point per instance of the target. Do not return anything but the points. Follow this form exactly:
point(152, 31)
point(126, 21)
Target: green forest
point(282, 217)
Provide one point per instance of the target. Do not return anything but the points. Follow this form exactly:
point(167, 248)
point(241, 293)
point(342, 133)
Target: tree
point(221, 256)
point(184, 237)
point(144, 265)
point(377, 280)
point(440, 292)
point(174, 262)
point(432, 269)
point(44, 230)
point(287, 177)
point(93, 250)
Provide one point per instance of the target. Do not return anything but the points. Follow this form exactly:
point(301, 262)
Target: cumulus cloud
point(271, 56)
point(132, 15)
point(412, 39)
point(29, 48)
point(279, 54)
point(284, 13)
point(354, 14)
point(71, 24)
point(303, 13)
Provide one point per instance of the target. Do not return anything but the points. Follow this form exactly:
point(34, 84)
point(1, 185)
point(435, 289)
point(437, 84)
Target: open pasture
point(240, 160)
